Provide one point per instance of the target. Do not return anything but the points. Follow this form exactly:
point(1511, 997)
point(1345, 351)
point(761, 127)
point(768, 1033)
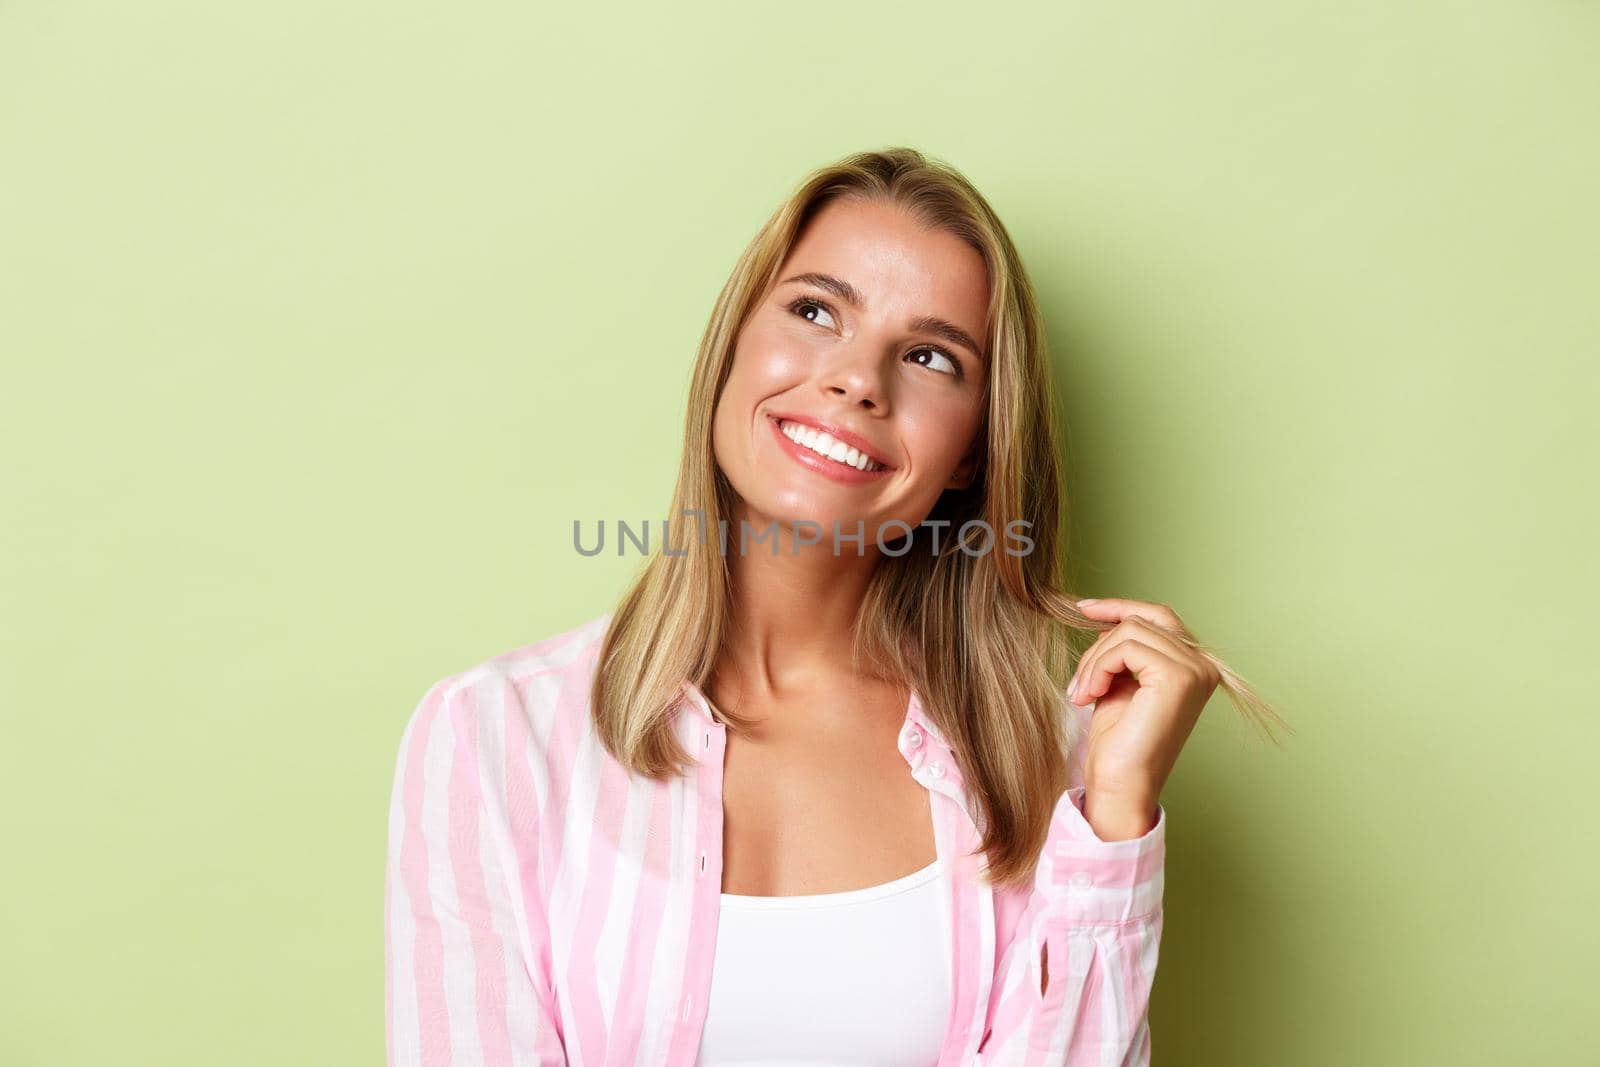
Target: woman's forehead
point(890, 262)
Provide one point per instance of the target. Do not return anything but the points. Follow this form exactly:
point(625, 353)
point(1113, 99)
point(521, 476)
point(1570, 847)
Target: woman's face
point(873, 331)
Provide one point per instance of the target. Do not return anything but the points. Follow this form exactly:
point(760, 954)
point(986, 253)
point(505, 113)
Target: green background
point(321, 322)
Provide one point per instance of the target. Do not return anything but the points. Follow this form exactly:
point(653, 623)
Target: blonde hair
point(987, 639)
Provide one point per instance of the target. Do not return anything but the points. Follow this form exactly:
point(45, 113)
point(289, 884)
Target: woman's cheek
point(784, 361)
point(937, 443)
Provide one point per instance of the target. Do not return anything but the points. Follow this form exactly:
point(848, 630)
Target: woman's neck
point(794, 613)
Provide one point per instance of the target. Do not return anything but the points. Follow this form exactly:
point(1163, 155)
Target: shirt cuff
point(1087, 880)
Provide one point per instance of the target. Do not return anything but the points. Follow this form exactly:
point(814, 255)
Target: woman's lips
point(830, 468)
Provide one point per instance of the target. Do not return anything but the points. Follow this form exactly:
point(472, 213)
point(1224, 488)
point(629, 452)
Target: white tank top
point(832, 979)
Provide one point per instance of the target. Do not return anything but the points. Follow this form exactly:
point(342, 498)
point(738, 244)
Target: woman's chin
point(812, 521)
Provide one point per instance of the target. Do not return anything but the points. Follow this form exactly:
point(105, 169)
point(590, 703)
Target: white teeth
point(824, 445)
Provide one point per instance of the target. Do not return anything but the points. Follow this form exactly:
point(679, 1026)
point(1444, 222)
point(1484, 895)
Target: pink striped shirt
point(543, 906)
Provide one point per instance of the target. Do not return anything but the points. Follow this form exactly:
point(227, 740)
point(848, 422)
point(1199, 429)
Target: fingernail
point(1091, 600)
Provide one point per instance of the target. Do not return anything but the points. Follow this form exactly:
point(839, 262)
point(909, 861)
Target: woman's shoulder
point(514, 696)
point(565, 652)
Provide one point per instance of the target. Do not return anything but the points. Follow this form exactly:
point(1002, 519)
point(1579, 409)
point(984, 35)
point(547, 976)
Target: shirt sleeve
point(1095, 909)
point(464, 984)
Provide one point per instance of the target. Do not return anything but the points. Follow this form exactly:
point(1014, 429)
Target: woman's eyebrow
point(950, 332)
point(842, 289)
point(837, 286)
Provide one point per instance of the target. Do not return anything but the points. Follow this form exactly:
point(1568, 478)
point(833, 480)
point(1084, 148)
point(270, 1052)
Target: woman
point(695, 830)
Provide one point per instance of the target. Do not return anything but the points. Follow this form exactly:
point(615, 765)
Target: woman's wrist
point(1120, 815)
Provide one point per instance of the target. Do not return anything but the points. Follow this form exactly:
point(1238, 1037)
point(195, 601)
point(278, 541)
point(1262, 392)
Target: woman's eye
point(945, 364)
point(799, 307)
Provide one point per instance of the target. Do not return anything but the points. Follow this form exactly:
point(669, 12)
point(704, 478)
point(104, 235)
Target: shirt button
point(913, 738)
point(936, 769)
point(1083, 880)
point(688, 1002)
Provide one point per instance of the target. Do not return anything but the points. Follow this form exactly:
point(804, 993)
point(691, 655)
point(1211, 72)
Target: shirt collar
point(691, 695)
point(917, 713)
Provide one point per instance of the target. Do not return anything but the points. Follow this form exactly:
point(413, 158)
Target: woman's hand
point(1149, 688)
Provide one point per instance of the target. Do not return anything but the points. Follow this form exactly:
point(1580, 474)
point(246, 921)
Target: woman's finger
point(1157, 635)
point(1164, 639)
point(1158, 624)
point(1089, 653)
point(1121, 631)
point(1116, 609)
point(1148, 665)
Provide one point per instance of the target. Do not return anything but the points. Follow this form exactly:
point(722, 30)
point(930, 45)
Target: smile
point(826, 447)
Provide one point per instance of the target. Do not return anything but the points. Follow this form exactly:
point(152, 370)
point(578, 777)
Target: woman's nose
point(857, 375)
